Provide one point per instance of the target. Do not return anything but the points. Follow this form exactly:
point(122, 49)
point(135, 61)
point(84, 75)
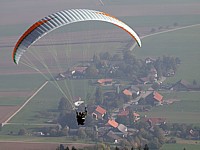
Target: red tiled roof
point(157, 96)
point(127, 92)
point(80, 69)
point(113, 123)
point(123, 113)
point(136, 114)
point(100, 110)
point(104, 80)
point(155, 121)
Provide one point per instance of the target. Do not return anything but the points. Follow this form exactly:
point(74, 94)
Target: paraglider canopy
point(59, 19)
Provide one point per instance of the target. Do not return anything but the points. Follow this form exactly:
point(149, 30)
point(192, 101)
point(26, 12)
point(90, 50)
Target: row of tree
point(101, 146)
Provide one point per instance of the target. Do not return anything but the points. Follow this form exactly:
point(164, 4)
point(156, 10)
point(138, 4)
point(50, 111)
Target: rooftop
point(100, 110)
point(157, 96)
point(113, 123)
point(127, 92)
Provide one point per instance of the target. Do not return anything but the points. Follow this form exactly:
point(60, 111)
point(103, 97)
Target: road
point(25, 103)
point(161, 32)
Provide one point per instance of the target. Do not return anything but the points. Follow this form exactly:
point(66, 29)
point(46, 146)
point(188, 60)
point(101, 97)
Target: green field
point(119, 2)
point(20, 82)
point(181, 43)
point(47, 100)
point(180, 146)
point(185, 110)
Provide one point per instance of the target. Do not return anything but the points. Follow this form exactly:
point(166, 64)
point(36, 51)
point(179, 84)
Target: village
point(120, 114)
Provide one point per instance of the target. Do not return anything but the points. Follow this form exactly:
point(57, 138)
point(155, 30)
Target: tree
point(96, 59)
point(67, 148)
point(146, 147)
point(73, 148)
point(131, 117)
point(137, 141)
point(92, 71)
point(105, 56)
point(22, 132)
point(155, 86)
point(154, 143)
point(123, 120)
point(99, 95)
point(64, 131)
point(129, 57)
point(117, 57)
point(158, 66)
point(68, 119)
point(116, 148)
point(166, 126)
point(64, 105)
point(62, 147)
point(53, 132)
point(145, 134)
point(158, 133)
point(89, 121)
point(81, 133)
point(194, 82)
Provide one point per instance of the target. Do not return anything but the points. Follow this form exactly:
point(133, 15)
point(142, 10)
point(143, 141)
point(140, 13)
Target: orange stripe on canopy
point(33, 27)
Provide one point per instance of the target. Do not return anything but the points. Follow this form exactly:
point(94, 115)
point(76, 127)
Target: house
point(39, 133)
point(115, 138)
point(125, 113)
point(103, 130)
point(105, 82)
point(112, 123)
point(183, 85)
point(131, 91)
point(78, 72)
point(134, 90)
point(122, 128)
point(153, 72)
point(136, 116)
point(99, 113)
point(149, 60)
point(127, 92)
point(195, 134)
point(79, 69)
point(144, 80)
point(154, 98)
point(170, 73)
point(155, 121)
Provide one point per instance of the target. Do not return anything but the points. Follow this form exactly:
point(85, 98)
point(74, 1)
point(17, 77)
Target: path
point(33, 124)
point(26, 102)
point(161, 32)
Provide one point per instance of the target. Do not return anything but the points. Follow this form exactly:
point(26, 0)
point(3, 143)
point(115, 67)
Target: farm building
point(99, 113)
point(154, 98)
point(183, 85)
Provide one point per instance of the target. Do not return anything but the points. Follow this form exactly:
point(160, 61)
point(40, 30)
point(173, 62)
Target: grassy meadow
point(180, 146)
point(47, 100)
point(174, 43)
point(184, 110)
point(182, 43)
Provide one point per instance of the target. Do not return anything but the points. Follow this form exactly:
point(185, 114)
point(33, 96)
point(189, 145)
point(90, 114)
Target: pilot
point(80, 116)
